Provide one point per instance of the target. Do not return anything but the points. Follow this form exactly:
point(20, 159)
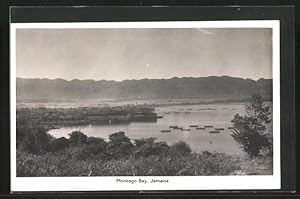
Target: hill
point(211, 87)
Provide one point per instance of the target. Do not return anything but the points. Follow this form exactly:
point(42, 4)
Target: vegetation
point(84, 115)
point(250, 129)
point(80, 155)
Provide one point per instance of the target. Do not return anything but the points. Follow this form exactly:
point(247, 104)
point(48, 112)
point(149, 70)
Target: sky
point(119, 54)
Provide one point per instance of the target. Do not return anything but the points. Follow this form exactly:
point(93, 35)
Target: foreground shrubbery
point(62, 164)
point(119, 156)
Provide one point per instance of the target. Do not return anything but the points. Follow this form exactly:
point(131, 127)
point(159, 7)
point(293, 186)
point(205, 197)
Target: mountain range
point(212, 87)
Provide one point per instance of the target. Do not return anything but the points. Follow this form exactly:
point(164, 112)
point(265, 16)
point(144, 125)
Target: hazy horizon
point(138, 79)
point(124, 54)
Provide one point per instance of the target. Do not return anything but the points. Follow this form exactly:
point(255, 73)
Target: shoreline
point(116, 103)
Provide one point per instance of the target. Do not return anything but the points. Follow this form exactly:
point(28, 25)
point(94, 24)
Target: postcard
point(165, 105)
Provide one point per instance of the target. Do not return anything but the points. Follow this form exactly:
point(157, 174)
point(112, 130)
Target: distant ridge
point(212, 87)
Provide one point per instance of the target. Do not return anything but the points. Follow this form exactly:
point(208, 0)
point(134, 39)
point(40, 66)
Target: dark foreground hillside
point(39, 154)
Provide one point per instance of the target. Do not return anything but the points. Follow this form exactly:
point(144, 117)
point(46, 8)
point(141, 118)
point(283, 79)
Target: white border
point(175, 183)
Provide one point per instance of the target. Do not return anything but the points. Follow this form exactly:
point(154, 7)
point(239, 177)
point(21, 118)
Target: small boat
point(194, 125)
point(219, 129)
point(211, 109)
point(231, 127)
point(189, 109)
point(159, 117)
point(165, 131)
point(173, 127)
point(208, 126)
point(200, 128)
point(214, 131)
point(185, 129)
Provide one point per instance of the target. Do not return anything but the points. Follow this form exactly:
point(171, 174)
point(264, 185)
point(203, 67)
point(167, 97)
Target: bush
point(146, 146)
point(118, 138)
point(60, 144)
point(94, 149)
point(119, 157)
point(249, 130)
point(58, 164)
point(33, 140)
point(95, 141)
point(77, 138)
point(181, 147)
point(30, 165)
point(168, 165)
point(119, 145)
point(144, 141)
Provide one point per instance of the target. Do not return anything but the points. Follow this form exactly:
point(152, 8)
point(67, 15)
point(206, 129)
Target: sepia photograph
point(147, 99)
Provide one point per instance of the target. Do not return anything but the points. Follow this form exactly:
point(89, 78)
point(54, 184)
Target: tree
point(146, 147)
point(119, 144)
point(250, 129)
point(144, 141)
point(77, 138)
point(97, 148)
point(60, 144)
point(181, 148)
point(33, 140)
